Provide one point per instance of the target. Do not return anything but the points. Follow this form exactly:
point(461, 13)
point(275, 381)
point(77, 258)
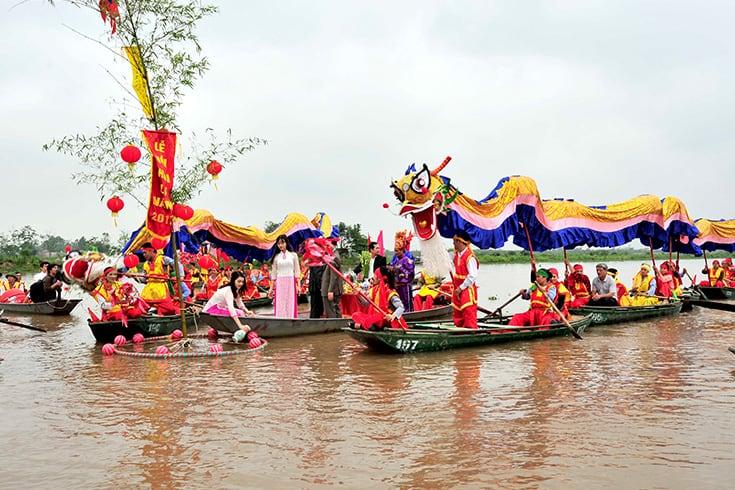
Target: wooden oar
point(22, 325)
point(561, 315)
point(499, 308)
point(479, 308)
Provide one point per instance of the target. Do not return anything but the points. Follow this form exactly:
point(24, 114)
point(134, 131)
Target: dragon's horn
point(441, 166)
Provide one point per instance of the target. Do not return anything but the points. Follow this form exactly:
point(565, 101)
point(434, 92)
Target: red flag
point(162, 145)
point(381, 247)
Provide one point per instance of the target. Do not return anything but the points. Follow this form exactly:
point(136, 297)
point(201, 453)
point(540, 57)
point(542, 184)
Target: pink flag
point(381, 247)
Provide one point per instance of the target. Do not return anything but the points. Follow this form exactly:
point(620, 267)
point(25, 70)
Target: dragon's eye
point(420, 182)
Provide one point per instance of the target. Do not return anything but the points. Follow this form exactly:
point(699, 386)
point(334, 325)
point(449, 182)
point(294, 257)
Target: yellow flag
point(139, 81)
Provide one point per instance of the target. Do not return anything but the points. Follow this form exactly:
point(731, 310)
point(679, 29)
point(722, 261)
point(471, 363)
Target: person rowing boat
point(382, 292)
point(156, 292)
point(540, 311)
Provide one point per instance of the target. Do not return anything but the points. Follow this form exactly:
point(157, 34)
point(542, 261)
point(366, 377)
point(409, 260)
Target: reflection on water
point(640, 405)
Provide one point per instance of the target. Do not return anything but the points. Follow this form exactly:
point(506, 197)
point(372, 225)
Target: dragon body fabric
point(437, 208)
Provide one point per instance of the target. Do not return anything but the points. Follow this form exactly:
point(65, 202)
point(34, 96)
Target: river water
point(645, 405)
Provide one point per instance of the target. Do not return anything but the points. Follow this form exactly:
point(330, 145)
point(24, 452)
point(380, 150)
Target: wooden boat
point(606, 315)
point(713, 305)
point(148, 325)
point(269, 326)
point(56, 307)
point(716, 293)
point(437, 336)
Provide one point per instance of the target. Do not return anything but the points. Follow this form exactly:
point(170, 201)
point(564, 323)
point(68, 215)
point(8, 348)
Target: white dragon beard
point(435, 257)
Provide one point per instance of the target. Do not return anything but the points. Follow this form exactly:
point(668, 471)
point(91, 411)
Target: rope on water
point(191, 355)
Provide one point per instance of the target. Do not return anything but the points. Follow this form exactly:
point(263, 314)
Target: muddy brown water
point(644, 405)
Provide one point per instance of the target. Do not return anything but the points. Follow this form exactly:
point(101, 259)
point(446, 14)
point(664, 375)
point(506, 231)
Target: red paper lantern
point(183, 212)
point(206, 262)
point(130, 154)
point(159, 243)
point(115, 205)
point(131, 261)
point(214, 168)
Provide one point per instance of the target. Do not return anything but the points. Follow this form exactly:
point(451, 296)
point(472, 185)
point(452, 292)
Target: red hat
point(554, 272)
point(577, 268)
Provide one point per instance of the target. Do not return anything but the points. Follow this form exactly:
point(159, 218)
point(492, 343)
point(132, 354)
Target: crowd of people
point(46, 285)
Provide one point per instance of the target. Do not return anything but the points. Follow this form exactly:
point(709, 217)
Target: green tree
point(270, 226)
point(171, 62)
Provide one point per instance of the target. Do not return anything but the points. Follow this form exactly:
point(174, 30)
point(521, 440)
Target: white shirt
point(39, 277)
point(472, 267)
point(285, 264)
point(371, 268)
point(224, 298)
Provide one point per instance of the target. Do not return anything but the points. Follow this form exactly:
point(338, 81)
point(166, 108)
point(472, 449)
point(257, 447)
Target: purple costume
point(403, 269)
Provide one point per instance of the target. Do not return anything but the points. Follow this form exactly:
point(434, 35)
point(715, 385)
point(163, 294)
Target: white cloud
point(599, 101)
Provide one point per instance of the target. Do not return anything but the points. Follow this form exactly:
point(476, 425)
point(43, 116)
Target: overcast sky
point(596, 100)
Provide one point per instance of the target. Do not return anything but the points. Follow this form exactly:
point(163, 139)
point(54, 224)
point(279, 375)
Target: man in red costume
point(540, 312)
point(578, 284)
point(464, 299)
point(118, 301)
point(382, 292)
point(156, 292)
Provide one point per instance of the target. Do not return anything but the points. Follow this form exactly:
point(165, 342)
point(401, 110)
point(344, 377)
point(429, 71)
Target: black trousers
point(316, 304)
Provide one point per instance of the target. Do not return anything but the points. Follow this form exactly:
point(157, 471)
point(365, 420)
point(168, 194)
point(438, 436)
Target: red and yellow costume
point(716, 276)
point(251, 290)
point(562, 293)
point(381, 295)
point(729, 272)
point(540, 312)
point(465, 303)
point(156, 291)
point(118, 301)
point(579, 285)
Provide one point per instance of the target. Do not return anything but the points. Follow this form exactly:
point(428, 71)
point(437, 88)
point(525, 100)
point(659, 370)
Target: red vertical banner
point(162, 145)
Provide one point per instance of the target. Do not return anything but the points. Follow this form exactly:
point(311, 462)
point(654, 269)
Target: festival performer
point(224, 301)
point(564, 296)
point(265, 278)
point(156, 292)
point(729, 272)
point(19, 284)
point(4, 286)
point(621, 291)
point(284, 280)
point(715, 274)
point(402, 266)
point(540, 312)
point(643, 291)
point(464, 299)
point(10, 292)
point(578, 284)
point(214, 282)
point(49, 288)
point(251, 289)
point(427, 294)
point(382, 292)
point(667, 284)
point(110, 295)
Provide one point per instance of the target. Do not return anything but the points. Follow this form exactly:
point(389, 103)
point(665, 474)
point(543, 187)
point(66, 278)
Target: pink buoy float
point(162, 350)
point(216, 348)
point(138, 338)
point(212, 333)
point(177, 335)
point(120, 340)
point(108, 349)
point(255, 342)
point(252, 335)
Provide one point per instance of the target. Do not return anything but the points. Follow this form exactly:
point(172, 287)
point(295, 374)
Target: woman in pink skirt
point(224, 301)
point(285, 274)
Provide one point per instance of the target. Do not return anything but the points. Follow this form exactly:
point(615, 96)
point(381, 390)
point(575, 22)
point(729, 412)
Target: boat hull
point(608, 315)
point(148, 326)
point(435, 337)
point(270, 327)
point(62, 307)
point(716, 293)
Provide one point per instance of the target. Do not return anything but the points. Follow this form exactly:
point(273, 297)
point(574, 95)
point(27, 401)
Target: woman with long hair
point(224, 300)
point(285, 273)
